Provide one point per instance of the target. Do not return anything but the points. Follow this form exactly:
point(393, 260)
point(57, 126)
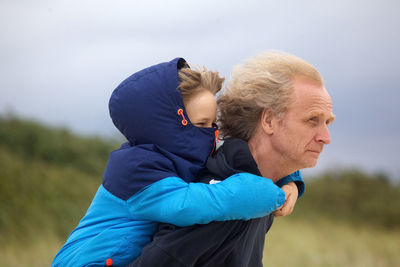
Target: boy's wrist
point(295, 177)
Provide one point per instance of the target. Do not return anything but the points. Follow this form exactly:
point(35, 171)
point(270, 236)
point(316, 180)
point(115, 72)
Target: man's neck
point(269, 162)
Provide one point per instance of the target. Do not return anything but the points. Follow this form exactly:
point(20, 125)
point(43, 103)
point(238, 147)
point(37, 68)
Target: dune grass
point(49, 176)
point(291, 242)
point(35, 251)
point(319, 242)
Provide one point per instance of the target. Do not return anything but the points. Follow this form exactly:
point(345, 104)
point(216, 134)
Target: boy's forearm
point(242, 196)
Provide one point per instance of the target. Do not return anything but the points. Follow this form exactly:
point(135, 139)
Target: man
point(274, 117)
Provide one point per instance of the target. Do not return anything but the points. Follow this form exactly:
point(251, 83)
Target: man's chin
point(310, 163)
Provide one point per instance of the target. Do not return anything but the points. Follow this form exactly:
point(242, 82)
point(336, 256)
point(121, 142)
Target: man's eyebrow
point(317, 114)
point(331, 119)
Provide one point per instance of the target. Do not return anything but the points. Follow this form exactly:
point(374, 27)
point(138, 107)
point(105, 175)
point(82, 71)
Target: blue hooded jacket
point(148, 179)
point(145, 108)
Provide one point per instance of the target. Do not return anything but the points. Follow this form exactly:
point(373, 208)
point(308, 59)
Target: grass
point(291, 242)
point(49, 176)
point(35, 251)
point(318, 242)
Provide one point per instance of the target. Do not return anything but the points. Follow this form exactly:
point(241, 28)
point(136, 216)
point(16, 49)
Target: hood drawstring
point(184, 121)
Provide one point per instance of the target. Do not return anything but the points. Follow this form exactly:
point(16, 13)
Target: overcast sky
point(60, 60)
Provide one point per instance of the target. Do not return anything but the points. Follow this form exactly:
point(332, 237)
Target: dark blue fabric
point(144, 107)
point(235, 243)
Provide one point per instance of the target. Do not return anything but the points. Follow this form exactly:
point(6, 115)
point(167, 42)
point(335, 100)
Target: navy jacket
point(148, 179)
point(236, 243)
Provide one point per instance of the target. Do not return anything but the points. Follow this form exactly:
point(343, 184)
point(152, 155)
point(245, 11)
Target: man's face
point(300, 135)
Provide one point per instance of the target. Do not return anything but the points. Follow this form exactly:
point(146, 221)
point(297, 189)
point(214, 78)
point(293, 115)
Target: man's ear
point(266, 122)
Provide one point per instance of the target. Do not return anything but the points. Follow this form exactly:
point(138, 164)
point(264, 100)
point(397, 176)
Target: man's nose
point(323, 135)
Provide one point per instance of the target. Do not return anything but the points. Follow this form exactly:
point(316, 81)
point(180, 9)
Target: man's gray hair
point(263, 82)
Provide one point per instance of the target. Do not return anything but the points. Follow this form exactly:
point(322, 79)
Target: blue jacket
point(236, 243)
point(141, 185)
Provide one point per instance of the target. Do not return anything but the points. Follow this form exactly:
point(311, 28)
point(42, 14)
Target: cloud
point(62, 59)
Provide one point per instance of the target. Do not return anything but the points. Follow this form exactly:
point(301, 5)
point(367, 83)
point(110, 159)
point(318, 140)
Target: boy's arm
point(293, 186)
point(291, 193)
point(242, 196)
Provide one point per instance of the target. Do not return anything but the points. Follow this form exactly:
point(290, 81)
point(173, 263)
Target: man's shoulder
point(232, 157)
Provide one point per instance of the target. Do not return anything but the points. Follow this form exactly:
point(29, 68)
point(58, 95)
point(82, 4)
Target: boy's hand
point(291, 194)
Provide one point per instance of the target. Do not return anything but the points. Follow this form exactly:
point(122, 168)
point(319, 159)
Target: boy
point(159, 115)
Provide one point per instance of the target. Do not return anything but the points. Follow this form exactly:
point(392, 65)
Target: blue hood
point(144, 108)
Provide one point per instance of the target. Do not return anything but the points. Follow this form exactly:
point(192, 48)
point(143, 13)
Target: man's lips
point(315, 151)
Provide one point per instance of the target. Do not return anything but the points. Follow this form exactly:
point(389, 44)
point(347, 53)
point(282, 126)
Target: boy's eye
point(199, 124)
point(203, 124)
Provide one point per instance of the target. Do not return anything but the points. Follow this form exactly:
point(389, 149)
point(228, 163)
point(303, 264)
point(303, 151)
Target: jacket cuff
point(295, 177)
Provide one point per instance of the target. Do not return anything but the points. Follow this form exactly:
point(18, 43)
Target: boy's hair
point(192, 81)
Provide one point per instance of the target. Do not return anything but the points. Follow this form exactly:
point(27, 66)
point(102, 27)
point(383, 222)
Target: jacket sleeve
point(241, 196)
point(295, 177)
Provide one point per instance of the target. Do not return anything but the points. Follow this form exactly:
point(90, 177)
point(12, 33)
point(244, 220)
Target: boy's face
point(202, 109)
